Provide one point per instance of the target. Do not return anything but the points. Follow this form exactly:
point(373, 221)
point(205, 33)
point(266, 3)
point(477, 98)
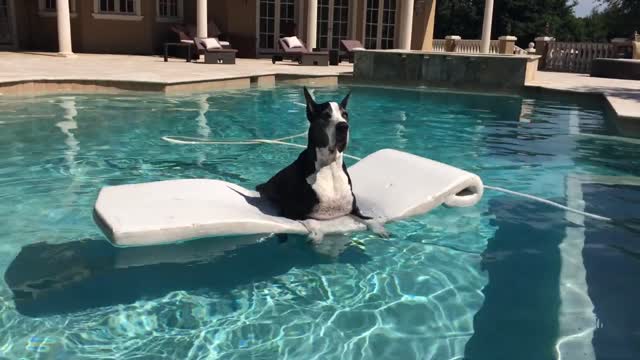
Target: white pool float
point(388, 184)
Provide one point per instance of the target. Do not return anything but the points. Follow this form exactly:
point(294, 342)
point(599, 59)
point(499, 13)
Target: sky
point(584, 7)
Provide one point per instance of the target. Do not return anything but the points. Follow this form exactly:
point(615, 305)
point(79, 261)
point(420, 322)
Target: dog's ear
point(311, 103)
point(345, 101)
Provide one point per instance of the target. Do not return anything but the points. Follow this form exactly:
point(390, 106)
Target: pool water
point(509, 278)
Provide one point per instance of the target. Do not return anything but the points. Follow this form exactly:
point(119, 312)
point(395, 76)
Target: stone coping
point(441, 53)
point(56, 85)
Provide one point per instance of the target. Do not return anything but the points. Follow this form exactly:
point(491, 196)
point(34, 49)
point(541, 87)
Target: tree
point(621, 17)
point(525, 19)
point(458, 17)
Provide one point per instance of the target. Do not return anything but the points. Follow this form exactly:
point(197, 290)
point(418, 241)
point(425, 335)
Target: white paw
point(377, 228)
point(316, 237)
point(314, 230)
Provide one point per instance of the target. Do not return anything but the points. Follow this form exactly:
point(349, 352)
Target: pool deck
point(36, 73)
point(32, 73)
point(622, 95)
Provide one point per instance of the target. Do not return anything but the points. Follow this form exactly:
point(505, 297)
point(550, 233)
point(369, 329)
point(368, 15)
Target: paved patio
point(34, 66)
point(24, 73)
point(622, 95)
point(32, 73)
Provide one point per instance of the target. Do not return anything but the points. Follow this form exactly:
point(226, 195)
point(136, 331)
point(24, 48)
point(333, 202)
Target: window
point(47, 8)
point(117, 9)
point(50, 5)
point(169, 10)
point(380, 24)
point(118, 6)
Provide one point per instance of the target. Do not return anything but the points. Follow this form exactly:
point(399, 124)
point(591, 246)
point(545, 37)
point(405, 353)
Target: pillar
point(312, 23)
point(427, 40)
point(506, 44)
point(64, 28)
point(202, 19)
point(406, 24)
point(486, 26)
point(451, 42)
point(542, 48)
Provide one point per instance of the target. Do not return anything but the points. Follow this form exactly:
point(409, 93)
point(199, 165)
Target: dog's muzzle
point(342, 134)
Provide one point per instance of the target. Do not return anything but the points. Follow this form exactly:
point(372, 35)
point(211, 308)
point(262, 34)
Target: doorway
point(276, 19)
point(380, 24)
point(333, 23)
point(7, 32)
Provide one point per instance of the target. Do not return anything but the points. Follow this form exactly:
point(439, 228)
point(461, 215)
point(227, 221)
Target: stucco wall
point(241, 26)
point(88, 34)
point(423, 25)
point(117, 36)
point(22, 10)
point(360, 20)
point(37, 32)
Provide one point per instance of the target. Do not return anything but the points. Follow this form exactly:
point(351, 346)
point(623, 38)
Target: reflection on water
point(79, 275)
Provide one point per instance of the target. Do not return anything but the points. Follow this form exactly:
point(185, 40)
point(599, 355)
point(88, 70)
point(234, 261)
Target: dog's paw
point(315, 235)
point(377, 228)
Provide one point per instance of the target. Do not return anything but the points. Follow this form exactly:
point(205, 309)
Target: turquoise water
point(502, 280)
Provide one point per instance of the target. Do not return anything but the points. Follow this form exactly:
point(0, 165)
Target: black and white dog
point(317, 184)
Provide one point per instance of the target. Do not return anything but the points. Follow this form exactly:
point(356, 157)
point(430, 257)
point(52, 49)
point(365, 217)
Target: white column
point(202, 19)
point(64, 28)
point(406, 24)
point(312, 23)
point(486, 26)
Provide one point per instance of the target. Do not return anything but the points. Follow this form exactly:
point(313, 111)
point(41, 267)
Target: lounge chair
point(300, 53)
point(350, 46)
point(214, 52)
point(187, 34)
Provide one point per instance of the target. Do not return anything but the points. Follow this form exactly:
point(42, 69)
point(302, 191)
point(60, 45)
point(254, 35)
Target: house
point(252, 26)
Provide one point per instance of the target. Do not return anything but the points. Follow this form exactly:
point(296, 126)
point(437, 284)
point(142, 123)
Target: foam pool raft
point(388, 185)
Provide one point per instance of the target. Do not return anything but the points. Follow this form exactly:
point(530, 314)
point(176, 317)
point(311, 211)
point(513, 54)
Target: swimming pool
point(510, 278)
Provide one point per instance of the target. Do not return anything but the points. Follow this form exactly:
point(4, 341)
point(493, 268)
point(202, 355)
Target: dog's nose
point(342, 127)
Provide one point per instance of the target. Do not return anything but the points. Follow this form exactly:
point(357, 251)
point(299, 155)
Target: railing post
point(451, 42)
point(506, 44)
point(635, 44)
point(531, 49)
point(620, 47)
point(542, 49)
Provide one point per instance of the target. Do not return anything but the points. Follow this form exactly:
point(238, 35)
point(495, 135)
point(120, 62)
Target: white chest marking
point(331, 185)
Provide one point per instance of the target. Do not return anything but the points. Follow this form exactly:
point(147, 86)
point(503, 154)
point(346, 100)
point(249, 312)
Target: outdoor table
point(177, 44)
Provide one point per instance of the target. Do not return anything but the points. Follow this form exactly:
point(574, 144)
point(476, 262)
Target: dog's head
point(329, 124)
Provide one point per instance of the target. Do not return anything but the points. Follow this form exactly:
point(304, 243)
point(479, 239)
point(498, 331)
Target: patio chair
point(350, 46)
point(214, 52)
point(300, 53)
point(190, 32)
point(187, 34)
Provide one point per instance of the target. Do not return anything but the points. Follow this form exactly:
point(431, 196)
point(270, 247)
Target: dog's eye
point(345, 115)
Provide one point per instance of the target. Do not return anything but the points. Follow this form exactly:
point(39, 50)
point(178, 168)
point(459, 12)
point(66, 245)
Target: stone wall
point(445, 69)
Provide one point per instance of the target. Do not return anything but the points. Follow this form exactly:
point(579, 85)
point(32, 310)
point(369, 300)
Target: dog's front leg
point(376, 226)
point(313, 226)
